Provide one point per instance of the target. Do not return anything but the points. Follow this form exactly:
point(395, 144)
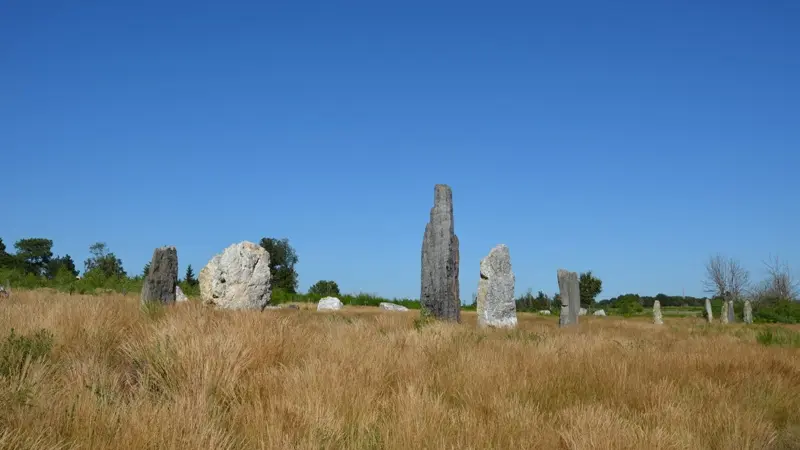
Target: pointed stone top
point(497, 261)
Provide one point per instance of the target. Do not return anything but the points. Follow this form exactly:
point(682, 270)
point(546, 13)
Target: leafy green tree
point(324, 288)
point(190, 279)
point(34, 254)
point(146, 269)
point(628, 304)
point(103, 263)
point(57, 263)
point(282, 259)
point(7, 261)
point(590, 287)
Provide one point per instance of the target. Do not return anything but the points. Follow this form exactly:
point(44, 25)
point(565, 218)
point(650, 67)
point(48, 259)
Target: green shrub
point(778, 337)
point(324, 288)
point(777, 311)
point(629, 306)
point(17, 349)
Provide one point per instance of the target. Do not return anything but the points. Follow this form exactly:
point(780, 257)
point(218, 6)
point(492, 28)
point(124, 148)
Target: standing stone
point(162, 277)
point(237, 278)
point(709, 313)
point(440, 291)
point(657, 318)
point(599, 312)
point(723, 315)
point(569, 291)
point(748, 312)
point(731, 312)
point(179, 295)
point(496, 306)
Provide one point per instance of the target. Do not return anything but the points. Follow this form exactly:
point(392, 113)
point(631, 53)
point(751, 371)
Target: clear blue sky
point(630, 138)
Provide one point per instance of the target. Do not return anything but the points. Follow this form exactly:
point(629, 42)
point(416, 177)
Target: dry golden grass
point(193, 378)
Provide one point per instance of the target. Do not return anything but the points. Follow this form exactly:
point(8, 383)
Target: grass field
point(105, 374)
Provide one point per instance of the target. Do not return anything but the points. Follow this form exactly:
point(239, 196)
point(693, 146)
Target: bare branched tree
point(726, 277)
point(780, 283)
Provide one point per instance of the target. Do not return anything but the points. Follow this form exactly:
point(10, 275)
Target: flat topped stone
point(496, 305)
point(237, 278)
point(569, 291)
point(329, 304)
point(162, 277)
point(392, 307)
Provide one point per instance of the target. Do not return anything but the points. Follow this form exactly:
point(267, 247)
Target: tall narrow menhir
point(162, 278)
point(569, 290)
point(440, 291)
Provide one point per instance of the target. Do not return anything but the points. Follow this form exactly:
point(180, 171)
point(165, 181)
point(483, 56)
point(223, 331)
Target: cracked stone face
point(496, 305)
point(440, 260)
point(237, 278)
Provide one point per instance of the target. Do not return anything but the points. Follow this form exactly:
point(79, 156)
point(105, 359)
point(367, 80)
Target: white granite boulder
point(599, 312)
point(329, 304)
point(392, 307)
point(237, 278)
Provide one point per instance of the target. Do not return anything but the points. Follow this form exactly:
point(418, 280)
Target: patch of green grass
point(16, 350)
point(779, 337)
point(153, 310)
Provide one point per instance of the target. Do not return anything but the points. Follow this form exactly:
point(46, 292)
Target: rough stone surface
point(237, 278)
point(392, 307)
point(179, 295)
point(162, 278)
point(723, 315)
point(440, 291)
point(709, 312)
point(329, 304)
point(657, 318)
point(569, 292)
point(731, 312)
point(583, 311)
point(545, 312)
point(599, 312)
point(496, 305)
point(748, 312)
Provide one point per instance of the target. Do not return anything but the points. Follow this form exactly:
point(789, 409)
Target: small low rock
point(292, 307)
point(545, 312)
point(329, 304)
point(179, 295)
point(600, 312)
point(582, 311)
point(392, 307)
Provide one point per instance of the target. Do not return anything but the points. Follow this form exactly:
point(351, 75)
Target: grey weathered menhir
point(496, 306)
point(723, 315)
point(162, 277)
point(237, 278)
point(748, 312)
point(709, 313)
point(440, 292)
point(731, 312)
point(658, 319)
point(569, 291)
